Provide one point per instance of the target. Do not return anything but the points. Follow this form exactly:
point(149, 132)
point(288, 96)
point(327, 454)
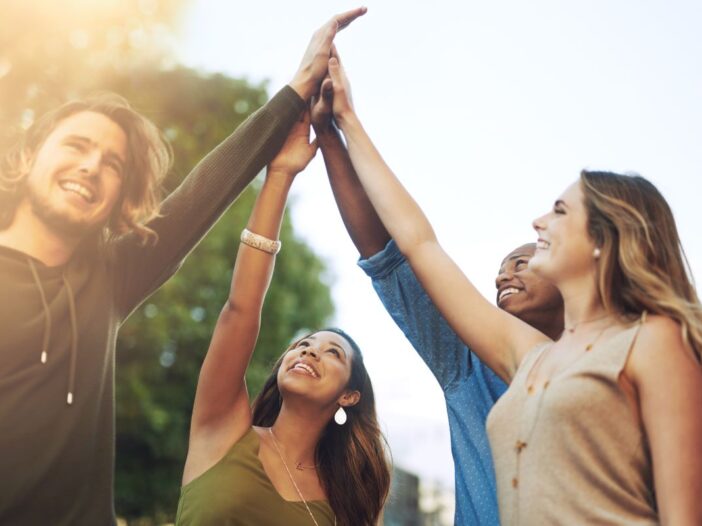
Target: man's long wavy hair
point(642, 264)
point(353, 467)
point(149, 158)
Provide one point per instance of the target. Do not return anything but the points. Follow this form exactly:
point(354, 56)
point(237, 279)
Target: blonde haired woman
point(604, 425)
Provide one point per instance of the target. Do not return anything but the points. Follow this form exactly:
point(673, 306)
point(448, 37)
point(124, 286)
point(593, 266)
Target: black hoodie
point(58, 328)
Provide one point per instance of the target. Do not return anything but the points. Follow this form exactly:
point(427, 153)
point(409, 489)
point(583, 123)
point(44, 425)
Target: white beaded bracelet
point(259, 242)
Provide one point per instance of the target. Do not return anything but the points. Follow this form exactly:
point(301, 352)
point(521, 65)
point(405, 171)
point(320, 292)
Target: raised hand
point(297, 151)
point(321, 108)
point(313, 67)
point(342, 105)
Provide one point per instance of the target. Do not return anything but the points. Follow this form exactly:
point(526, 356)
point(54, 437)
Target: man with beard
point(83, 241)
point(470, 388)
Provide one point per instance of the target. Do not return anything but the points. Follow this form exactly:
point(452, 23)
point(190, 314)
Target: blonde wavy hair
point(642, 264)
point(149, 158)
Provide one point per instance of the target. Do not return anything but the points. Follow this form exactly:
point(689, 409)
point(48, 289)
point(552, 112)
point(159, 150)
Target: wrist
point(325, 131)
point(279, 177)
point(346, 118)
point(302, 86)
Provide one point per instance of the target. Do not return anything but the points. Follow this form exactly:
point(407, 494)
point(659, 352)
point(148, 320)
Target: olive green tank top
point(573, 452)
point(236, 491)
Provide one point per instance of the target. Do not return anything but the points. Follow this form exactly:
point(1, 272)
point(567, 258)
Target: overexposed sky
point(486, 111)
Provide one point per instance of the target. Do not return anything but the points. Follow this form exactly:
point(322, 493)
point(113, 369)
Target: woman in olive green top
point(309, 451)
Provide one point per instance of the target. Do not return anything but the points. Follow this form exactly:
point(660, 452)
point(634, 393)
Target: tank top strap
point(614, 353)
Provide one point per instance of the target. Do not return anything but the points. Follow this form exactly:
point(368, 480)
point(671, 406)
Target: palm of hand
point(297, 151)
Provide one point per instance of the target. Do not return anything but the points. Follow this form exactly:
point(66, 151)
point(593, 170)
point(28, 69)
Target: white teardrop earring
point(340, 416)
point(596, 253)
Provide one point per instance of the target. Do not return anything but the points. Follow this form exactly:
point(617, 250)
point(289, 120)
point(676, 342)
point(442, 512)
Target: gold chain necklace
point(562, 369)
point(572, 328)
point(301, 467)
point(277, 448)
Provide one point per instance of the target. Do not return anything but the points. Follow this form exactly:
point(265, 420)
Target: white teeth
point(306, 368)
point(542, 244)
point(79, 189)
point(507, 292)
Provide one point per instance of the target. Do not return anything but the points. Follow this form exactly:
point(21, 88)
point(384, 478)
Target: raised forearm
point(189, 212)
point(234, 339)
point(400, 214)
point(362, 222)
point(254, 267)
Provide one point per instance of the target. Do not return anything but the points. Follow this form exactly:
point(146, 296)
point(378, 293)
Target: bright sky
point(486, 111)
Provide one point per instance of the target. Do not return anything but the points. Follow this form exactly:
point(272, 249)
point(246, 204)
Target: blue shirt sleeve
point(415, 314)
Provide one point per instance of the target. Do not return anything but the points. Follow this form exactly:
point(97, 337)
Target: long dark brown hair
point(642, 264)
point(353, 467)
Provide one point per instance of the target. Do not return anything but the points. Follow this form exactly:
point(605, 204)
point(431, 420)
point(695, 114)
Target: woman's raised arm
point(498, 338)
point(221, 403)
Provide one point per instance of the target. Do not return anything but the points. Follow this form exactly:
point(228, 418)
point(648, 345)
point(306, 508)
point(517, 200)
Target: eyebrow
point(339, 346)
point(109, 154)
point(560, 202)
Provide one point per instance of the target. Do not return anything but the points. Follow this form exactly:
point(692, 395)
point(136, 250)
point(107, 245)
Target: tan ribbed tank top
point(573, 452)
point(236, 491)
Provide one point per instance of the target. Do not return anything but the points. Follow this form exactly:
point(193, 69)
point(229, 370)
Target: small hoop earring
point(340, 416)
point(596, 253)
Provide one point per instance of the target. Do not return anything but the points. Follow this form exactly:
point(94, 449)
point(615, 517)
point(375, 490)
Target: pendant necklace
point(300, 467)
point(572, 328)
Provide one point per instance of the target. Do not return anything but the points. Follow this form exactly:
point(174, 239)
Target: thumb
point(335, 73)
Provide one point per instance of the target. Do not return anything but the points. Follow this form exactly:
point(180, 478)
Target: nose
point(503, 276)
point(539, 223)
point(90, 163)
point(309, 351)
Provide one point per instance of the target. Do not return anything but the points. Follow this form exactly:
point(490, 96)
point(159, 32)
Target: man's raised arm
point(362, 223)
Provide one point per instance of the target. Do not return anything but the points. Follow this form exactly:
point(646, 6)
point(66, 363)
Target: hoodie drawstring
point(47, 313)
point(47, 328)
point(74, 340)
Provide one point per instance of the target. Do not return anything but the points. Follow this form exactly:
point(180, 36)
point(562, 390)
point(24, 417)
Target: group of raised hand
point(322, 83)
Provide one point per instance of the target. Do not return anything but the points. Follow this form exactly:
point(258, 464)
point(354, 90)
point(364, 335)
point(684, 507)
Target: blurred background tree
point(51, 51)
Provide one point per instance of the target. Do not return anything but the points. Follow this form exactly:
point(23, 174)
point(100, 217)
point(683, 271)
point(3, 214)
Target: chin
point(293, 387)
point(540, 266)
point(518, 310)
point(66, 222)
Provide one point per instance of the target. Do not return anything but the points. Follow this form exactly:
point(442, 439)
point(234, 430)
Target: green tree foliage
point(162, 345)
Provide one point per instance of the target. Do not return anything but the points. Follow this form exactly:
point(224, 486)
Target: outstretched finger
point(339, 22)
point(344, 19)
point(335, 62)
point(335, 74)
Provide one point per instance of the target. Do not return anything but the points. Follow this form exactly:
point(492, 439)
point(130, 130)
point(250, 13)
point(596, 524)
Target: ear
point(349, 398)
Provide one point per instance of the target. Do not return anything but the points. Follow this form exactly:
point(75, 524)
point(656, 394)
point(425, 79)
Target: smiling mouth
point(509, 291)
point(542, 244)
point(83, 191)
point(303, 368)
